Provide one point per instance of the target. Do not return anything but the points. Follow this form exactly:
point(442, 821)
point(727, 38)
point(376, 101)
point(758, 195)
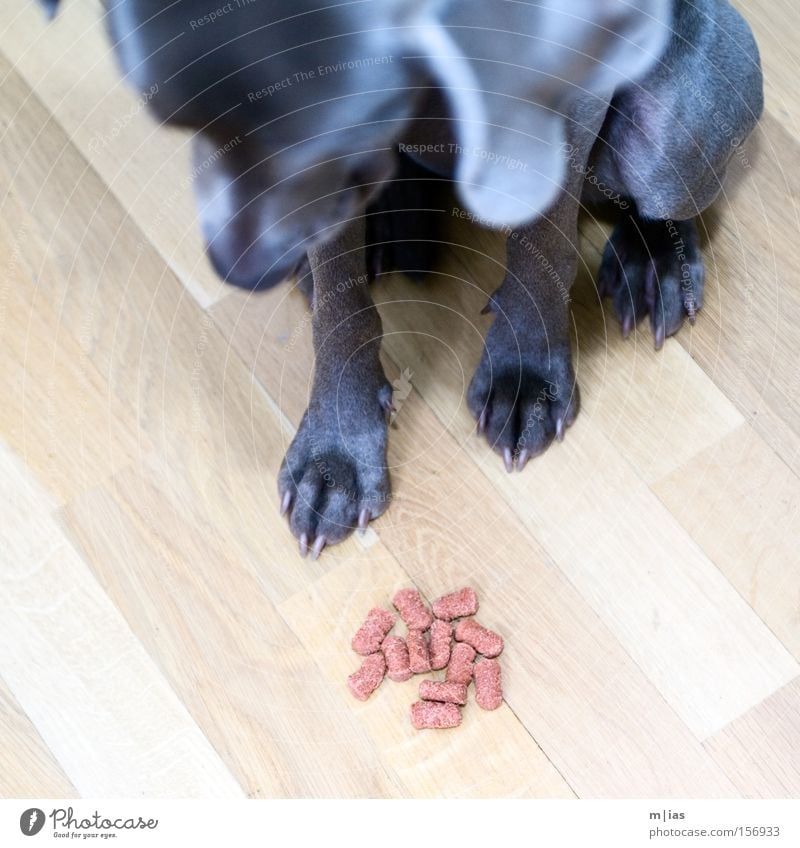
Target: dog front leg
point(523, 393)
point(334, 476)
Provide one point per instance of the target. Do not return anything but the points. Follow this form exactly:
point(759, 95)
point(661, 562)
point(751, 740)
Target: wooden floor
point(160, 635)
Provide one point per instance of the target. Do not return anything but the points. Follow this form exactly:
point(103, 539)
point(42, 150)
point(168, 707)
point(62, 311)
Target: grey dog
point(348, 117)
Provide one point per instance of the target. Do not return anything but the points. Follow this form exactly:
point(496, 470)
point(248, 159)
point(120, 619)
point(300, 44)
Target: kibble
point(373, 631)
point(458, 604)
point(396, 652)
point(488, 686)
point(459, 669)
point(412, 609)
point(452, 641)
point(441, 690)
point(484, 641)
point(441, 640)
point(418, 658)
point(367, 679)
point(432, 714)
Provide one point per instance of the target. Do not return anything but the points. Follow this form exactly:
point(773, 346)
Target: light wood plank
point(770, 20)
point(27, 767)
point(58, 412)
point(742, 505)
point(760, 751)
point(203, 615)
point(98, 701)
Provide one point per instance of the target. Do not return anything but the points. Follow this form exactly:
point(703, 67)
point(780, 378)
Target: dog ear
point(304, 69)
point(50, 8)
point(318, 79)
point(509, 72)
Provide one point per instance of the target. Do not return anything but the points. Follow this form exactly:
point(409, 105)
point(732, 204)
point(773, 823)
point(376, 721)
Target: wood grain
point(760, 750)
point(166, 639)
point(27, 767)
point(86, 683)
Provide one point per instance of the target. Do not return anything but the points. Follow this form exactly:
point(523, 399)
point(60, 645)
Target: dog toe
point(653, 268)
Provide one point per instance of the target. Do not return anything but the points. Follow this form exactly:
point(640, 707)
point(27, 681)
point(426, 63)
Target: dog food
point(458, 604)
point(372, 632)
point(368, 678)
point(441, 639)
point(429, 646)
point(433, 714)
point(484, 641)
point(459, 669)
point(397, 661)
point(488, 688)
point(441, 690)
point(412, 609)
point(418, 659)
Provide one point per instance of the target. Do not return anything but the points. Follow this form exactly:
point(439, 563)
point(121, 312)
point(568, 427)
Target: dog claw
point(303, 545)
point(659, 334)
point(386, 399)
point(319, 544)
point(376, 261)
point(489, 308)
point(627, 325)
point(482, 422)
point(641, 270)
point(559, 429)
point(363, 520)
point(286, 502)
point(508, 459)
point(522, 458)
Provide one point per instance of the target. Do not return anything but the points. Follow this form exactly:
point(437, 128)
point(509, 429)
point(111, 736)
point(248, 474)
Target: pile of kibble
point(427, 647)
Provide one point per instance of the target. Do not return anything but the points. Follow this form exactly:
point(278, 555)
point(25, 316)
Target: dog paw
point(522, 406)
point(653, 268)
point(330, 484)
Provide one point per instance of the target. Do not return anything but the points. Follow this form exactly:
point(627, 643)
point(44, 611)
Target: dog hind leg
point(664, 147)
point(653, 268)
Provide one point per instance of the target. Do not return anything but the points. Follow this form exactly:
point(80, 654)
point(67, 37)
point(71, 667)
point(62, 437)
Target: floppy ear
point(50, 7)
point(509, 72)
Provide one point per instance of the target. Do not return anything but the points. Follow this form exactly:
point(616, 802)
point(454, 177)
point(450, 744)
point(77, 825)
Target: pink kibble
point(431, 714)
point(396, 652)
point(484, 641)
point(456, 605)
point(441, 690)
point(418, 659)
point(366, 680)
point(441, 639)
point(459, 669)
point(488, 686)
point(412, 609)
point(373, 631)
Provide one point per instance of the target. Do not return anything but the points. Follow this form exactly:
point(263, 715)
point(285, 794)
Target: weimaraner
point(319, 124)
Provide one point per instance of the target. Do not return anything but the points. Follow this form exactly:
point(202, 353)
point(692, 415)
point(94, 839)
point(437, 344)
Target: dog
point(348, 118)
